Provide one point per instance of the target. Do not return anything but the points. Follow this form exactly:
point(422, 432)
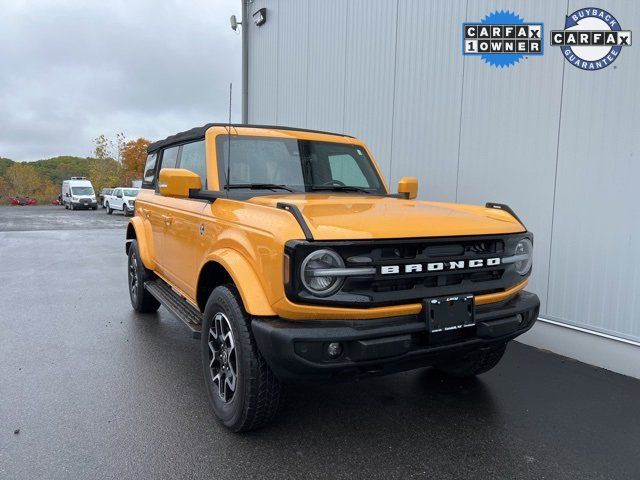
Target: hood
point(355, 217)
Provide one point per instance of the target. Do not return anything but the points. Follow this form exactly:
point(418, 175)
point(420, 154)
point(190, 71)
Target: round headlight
point(523, 254)
point(314, 275)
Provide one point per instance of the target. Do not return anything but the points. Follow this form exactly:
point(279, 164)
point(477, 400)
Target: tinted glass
point(194, 158)
point(150, 168)
point(346, 168)
point(82, 190)
point(169, 158)
point(302, 165)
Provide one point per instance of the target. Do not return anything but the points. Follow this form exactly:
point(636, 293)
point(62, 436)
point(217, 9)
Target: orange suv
point(283, 250)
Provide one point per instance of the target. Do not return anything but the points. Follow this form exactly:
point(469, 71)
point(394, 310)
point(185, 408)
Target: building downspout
point(245, 61)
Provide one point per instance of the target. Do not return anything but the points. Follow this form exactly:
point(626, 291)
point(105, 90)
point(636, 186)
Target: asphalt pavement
point(89, 389)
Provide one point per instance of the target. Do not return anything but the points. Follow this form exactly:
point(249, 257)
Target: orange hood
point(354, 217)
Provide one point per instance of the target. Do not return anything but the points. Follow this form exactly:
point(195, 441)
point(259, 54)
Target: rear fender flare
point(141, 232)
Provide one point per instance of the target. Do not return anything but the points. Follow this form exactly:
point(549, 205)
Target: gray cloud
point(71, 70)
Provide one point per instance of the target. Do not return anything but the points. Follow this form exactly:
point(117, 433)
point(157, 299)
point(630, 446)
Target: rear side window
point(193, 157)
point(170, 158)
point(149, 175)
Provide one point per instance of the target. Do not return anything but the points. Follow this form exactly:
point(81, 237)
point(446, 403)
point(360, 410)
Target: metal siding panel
point(595, 257)
point(327, 54)
point(370, 67)
point(263, 64)
point(510, 132)
point(292, 62)
point(428, 94)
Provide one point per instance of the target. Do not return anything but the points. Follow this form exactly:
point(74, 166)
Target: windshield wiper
point(340, 188)
point(260, 186)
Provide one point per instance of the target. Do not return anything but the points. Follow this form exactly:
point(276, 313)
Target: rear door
point(116, 199)
point(154, 209)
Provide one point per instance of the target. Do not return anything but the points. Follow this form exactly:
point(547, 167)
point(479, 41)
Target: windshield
point(129, 192)
point(299, 165)
point(82, 190)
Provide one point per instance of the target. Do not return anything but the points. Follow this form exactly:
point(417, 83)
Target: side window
point(149, 175)
point(345, 169)
point(194, 158)
point(169, 158)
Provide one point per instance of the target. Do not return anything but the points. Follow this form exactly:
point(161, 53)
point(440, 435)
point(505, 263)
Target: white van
point(78, 193)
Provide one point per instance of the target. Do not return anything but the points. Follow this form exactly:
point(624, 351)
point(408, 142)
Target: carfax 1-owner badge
point(592, 38)
point(502, 39)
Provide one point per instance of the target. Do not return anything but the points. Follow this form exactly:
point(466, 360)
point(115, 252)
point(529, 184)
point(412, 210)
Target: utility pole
point(245, 61)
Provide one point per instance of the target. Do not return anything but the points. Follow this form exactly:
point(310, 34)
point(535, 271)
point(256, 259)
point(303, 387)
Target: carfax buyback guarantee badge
point(502, 39)
point(592, 38)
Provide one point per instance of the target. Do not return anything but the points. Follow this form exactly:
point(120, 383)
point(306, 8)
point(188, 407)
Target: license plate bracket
point(445, 314)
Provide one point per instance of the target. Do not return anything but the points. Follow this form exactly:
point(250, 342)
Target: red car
point(22, 201)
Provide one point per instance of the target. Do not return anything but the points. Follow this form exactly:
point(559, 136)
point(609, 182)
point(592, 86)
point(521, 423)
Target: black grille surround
point(376, 290)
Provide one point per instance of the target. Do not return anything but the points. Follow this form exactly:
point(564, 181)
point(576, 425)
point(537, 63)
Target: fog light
point(520, 318)
point(334, 349)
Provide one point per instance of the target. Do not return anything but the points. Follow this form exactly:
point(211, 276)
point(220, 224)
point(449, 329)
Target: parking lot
point(89, 389)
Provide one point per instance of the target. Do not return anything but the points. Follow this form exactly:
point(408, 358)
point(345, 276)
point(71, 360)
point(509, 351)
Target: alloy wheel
point(133, 276)
point(222, 357)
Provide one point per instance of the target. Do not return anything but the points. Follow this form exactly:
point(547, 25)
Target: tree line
point(113, 163)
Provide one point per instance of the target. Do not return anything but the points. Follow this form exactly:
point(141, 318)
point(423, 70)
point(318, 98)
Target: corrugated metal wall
point(555, 142)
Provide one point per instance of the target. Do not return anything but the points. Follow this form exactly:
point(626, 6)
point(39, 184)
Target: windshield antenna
point(229, 142)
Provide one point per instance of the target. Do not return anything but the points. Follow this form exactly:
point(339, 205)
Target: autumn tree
point(24, 180)
point(6, 190)
point(134, 156)
point(105, 170)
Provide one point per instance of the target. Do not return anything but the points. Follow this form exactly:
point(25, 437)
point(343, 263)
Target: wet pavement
point(55, 217)
point(98, 391)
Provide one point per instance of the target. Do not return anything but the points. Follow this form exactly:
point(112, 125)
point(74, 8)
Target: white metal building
point(558, 144)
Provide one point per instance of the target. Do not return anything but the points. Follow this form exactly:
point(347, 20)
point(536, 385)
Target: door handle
point(167, 219)
point(145, 212)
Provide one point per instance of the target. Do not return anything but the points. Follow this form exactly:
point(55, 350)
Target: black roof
point(197, 133)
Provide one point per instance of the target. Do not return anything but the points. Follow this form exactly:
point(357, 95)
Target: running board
point(176, 304)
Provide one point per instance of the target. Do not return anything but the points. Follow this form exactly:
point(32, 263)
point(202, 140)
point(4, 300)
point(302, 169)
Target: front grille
point(388, 289)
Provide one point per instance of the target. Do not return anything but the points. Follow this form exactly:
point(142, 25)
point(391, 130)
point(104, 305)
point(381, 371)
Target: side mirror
point(176, 182)
point(119, 195)
point(408, 186)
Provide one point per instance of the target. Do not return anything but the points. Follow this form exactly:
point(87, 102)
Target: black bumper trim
point(296, 350)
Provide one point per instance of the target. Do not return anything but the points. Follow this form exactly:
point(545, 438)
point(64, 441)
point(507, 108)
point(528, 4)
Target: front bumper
point(296, 351)
point(84, 205)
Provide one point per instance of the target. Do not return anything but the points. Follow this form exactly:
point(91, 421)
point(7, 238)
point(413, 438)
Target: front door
point(182, 218)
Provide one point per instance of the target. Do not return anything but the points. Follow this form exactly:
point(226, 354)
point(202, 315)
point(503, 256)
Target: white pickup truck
point(122, 199)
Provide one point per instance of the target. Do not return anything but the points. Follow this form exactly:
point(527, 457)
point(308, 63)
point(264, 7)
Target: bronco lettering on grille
point(439, 266)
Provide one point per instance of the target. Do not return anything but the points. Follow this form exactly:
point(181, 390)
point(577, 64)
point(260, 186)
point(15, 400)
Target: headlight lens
point(321, 285)
point(523, 253)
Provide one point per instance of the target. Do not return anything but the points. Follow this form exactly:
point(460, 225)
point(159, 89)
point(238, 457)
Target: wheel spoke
point(230, 380)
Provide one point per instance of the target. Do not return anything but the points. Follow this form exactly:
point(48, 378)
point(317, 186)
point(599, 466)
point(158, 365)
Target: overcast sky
point(71, 70)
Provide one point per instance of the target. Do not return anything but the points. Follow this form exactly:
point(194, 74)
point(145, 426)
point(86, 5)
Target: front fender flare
point(145, 241)
point(245, 279)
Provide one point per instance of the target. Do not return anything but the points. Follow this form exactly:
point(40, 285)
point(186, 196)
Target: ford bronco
point(283, 250)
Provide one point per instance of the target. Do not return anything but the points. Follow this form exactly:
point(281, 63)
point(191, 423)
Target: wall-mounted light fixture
point(234, 23)
point(260, 17)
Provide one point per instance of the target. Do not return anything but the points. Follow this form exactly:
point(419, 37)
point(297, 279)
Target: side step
point(177, 305)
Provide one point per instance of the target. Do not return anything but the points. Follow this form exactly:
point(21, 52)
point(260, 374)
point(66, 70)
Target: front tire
point(109, 210)
point(137, 274)
point(243, 391)
point(481, 363)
